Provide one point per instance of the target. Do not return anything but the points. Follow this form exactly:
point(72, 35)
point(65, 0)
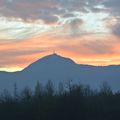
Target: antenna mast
point(54, 52)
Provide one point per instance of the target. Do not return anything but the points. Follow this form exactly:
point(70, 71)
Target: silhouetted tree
point(16, 96)
point(38, 90)
point(61, 88)
point(6, 96)
point(26, 95)
point(105, 89)
point(49, 88)
point(76, 102)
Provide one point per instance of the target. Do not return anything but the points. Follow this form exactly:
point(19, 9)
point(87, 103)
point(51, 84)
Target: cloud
point(53, 14)
point(29, 10)
point(83, 49)
point(99, 47)
point(73, 27)
point(92, 46)
point(19, 30)
point(113, 7)
point(116, 29)
point(45, 10)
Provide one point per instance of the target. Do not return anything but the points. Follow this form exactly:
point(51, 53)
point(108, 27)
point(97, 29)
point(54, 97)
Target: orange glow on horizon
point(19, 54)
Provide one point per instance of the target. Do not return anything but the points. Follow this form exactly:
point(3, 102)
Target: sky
point(88, 31)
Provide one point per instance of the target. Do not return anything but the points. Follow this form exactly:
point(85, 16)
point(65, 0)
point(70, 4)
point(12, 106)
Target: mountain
point(57, 68)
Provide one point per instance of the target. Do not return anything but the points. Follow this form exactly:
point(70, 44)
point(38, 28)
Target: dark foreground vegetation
point(74, 102)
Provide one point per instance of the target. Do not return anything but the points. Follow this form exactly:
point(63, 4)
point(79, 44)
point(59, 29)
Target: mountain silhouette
point(60, 69)
point(53, 61)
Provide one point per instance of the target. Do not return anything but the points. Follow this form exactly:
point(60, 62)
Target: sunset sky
point(88, 31)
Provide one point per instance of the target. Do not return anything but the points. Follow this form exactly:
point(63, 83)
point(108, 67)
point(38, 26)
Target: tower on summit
point(54, 52)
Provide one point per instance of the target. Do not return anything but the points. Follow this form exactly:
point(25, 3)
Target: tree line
point(71, 102)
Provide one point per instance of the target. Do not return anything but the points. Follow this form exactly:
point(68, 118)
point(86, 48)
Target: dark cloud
point(75, 27)
point(30, 10)
point(116, 29)
point(45, 10)
point(113, 7)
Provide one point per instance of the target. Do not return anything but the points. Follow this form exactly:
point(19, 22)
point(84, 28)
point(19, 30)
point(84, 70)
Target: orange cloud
point(83, 50)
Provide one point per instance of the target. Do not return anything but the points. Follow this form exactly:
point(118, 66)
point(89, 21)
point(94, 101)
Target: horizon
point(49, 55)
point(87, 31)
